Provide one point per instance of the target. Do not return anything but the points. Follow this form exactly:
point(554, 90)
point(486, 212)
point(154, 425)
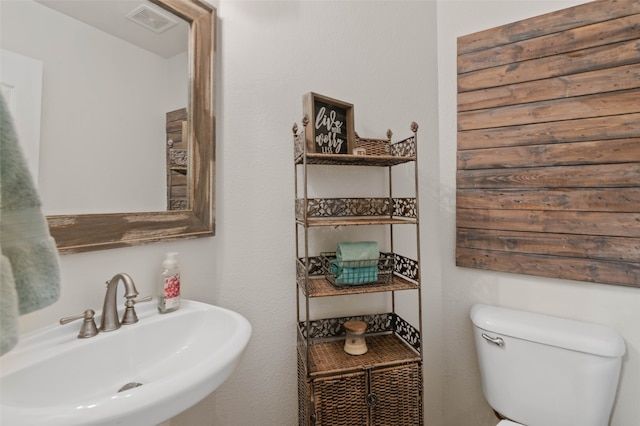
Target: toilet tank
point(540, 370)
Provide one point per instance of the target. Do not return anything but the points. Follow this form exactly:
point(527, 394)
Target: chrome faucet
point(110, 321)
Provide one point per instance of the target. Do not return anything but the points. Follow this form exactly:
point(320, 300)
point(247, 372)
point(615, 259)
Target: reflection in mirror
point(105, 99)
point(109, 109)
point(177, 160)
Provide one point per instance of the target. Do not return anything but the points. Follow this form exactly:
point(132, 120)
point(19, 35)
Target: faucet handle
point(88, 328)
point(130, 316)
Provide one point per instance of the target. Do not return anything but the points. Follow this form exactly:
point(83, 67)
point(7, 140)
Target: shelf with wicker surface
point(321, 287)
point(390, 341)
point(379, 152)
point(354, 160)
point(405, 272)
point(387, 350)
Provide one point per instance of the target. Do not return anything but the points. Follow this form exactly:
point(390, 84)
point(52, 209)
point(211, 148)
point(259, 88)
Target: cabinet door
point(396, 395)
point(340, 400)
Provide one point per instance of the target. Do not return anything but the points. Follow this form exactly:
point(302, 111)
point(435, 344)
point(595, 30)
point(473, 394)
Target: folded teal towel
point(356, 262)
point(361, 250)
point(359, 275)
point(30, 265)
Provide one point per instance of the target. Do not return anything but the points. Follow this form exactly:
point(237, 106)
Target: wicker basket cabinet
point(384, 385)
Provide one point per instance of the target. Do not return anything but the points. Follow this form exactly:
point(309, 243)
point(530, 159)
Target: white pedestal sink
point(54, 378)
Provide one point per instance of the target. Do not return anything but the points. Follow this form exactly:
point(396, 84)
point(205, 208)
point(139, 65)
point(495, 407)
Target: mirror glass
point(112, 70)
point(124, 84)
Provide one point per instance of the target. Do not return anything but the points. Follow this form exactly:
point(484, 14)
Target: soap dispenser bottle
point(169, 294)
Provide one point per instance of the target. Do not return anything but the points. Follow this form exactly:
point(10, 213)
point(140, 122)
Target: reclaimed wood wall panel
point(612, 127)
point(577, 153)
point(608, 56)
point(579, 246)
point(552, 199)
point(554, 22)
point(589, 176)
point(552, 266)
point(548, 162)
point(587, 83)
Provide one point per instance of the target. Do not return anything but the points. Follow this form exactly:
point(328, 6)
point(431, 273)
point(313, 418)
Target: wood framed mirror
point(88, 232)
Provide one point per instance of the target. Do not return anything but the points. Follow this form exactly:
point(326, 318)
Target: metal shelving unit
point(383, 386)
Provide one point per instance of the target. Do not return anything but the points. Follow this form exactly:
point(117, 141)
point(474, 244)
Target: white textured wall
point(381, 56)
point(617, 307)
point(270, 53)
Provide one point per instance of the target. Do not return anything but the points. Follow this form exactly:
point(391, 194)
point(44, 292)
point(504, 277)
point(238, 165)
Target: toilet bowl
point(540, 370)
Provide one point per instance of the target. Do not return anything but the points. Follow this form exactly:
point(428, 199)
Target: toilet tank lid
point(548, 330)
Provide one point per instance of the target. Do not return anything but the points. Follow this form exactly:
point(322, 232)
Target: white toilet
point(539, 370)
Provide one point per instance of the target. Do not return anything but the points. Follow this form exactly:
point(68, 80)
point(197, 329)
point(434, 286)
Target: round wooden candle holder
point(354, 343)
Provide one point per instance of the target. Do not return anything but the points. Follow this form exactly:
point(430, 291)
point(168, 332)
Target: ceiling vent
point(151, 19)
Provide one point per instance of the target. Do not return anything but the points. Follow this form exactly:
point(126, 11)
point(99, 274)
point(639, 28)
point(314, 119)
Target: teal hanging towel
point(30, 272)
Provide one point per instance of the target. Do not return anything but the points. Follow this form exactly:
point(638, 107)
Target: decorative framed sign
point(329, 125)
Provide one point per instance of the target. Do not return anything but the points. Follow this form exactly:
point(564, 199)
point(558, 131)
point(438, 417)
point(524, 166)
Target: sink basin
point(166, 363)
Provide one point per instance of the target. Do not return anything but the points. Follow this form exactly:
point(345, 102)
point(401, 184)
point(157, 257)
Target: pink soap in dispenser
point(169, 295)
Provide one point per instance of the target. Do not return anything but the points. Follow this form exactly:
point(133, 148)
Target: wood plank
point(562, 222)
point(601, 57)
point(597, 105)
point(587, 83)
point(179, 179)
point(620, 249)
point(72, 230)
point(597, 34)
point(591, 176)
point(566, 154)
point(178, 114)
point(561, 20)
point(178, 191)
point(596, 128)
point(174, 127)
point(195, 11)
point(597, 200)
point(619, 273)
point(176, 137)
